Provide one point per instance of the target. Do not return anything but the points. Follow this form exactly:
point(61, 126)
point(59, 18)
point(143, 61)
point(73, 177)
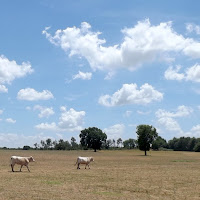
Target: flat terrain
point(113, 175)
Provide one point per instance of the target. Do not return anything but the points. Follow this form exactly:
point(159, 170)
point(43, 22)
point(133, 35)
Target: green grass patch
point(183, 161)
point(52, 182)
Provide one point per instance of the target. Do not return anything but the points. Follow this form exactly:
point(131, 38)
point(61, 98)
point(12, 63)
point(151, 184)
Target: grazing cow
point(20, 161)
point(84, 160)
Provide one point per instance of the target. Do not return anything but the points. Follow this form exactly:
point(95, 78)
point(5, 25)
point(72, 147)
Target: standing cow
point(20, 161)
point(84, 160)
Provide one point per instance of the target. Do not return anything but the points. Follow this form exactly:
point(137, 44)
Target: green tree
point(43, 144)
point(48, 143)
point(92, 137)
point(26, 147)
point(146, 135)
point(159, 142)
point(108, 144)
point(129, 144)
point(119, 142)
point(197, 147)
point(36, 145)
point(73, 143)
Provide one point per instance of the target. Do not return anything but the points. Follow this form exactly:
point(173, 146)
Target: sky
point(68, 65)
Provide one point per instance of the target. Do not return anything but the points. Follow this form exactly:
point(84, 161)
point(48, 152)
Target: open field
point(113, 175)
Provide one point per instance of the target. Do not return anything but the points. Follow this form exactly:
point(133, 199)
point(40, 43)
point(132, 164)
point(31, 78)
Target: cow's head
point(91, 159)
point(31, 159)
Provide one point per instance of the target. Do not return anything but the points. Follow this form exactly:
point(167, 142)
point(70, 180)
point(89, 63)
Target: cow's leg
point(27, 168)
point(78, 166)
point(12, 167)
point(21, 168)
point(88, 166)
point(85, 166)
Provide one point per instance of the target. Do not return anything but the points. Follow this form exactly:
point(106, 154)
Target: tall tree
point(48, 143)
point(119, 141)
point(159, 142)
point(129, 144)
point(92, 137)
point(73, 143)
point(146, 135)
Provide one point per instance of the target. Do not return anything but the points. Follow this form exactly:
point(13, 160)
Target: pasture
point(126, 174)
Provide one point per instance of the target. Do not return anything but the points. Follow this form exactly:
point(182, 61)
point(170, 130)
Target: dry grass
point(113, 175)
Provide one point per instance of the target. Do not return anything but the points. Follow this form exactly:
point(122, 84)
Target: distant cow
point(84, 160)
point(20, 161)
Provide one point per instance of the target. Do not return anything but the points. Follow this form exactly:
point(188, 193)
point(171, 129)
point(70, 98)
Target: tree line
point(94, 138)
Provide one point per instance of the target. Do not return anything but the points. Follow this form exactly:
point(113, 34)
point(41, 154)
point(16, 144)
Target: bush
point(26, 147)
point(197, 147)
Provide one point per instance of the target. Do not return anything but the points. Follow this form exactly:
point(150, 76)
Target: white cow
point(84, 160)
point(20, 161)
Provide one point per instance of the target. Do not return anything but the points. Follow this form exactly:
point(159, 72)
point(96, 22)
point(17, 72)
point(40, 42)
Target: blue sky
point(70, 65)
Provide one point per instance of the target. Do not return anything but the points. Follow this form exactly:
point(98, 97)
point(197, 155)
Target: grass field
point(113, 175)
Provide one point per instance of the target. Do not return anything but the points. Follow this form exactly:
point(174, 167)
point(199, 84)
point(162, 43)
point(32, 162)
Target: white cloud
point(182, 111)
point(31, 94)
point(190, 74)
point(28, 108)
point(70, 120)
point(170, 124)
point(142, 43)
point(166, 119)
point(196, 128)
point(114, 132)
point(44, 111)
point(1, 112)
point(10, 70)
point(172, 74)
point(12, 140)
point(10, 120)
point(193, 73)
point(143, 112)
point(3, 89)
point(194, 132)
point(83, 76)
point(193, 28)
point(46, 126)
point(128, 113)
point(129, 94)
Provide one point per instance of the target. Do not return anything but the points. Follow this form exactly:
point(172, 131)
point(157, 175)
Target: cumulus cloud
point(196, 128)
point(173, 74)
point(167, 119)
point(193, 28)
point(10, 70)
point(170, 124)
point(83, 76)
point(3, 89)
point(142, 43)
point(47, 126)
point(10, 120)
point(193, 73)
point(1, 112)
point(114, 132)
point(129, 94)
point(190, 74)
point(44, 111)
point(31, 94)
point(70, 120)
point(182, 111)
